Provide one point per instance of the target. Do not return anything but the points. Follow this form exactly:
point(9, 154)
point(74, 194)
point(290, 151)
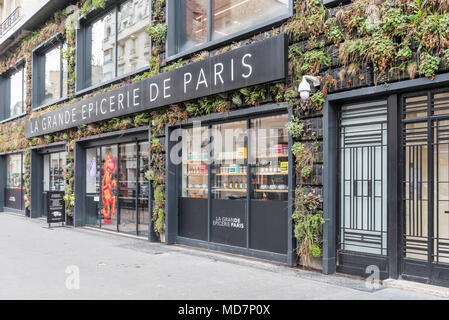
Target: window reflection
point(17, 92)
point(193, 24)
point(102, 49)
point(14, 171)
point(231, 16)
point(133, 43)
point(52, 75)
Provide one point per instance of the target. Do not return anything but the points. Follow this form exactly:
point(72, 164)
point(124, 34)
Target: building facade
point(303, 132)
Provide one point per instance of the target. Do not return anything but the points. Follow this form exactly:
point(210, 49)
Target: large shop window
point(237, 196)
point(115, 44)
point(49, 74)
point(13, 93)
point(54, 171)
point(14, 191)
point(195, 24)
point(117, 192)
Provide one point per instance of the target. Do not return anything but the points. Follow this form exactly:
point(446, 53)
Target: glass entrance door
point(109, 187)
point(117, 191)
point(54, 175)
point(425, 216)
point(127, 201)
point(363, 178)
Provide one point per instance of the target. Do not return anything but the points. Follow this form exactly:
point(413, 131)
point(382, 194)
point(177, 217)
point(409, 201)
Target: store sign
point(258, 63)
point(55, 207)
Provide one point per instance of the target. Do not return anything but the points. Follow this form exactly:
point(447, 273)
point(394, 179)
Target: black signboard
point(228, 225)
point(55, 207)
point(250, 65)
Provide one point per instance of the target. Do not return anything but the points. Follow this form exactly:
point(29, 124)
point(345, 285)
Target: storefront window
point(195, 167)
point(14, 182)
point(230, 160)
point(190, 29)
point(249, 183)
point(54, 171)
point(14, 167)
point(269, 151)
point(92, 171)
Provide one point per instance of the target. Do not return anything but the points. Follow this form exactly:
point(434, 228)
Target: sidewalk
point(35, 260)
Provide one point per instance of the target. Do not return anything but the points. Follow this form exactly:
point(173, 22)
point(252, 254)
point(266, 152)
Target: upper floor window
point(49, 74)
point(13, 93)
point(114, 44)
point(196, 24)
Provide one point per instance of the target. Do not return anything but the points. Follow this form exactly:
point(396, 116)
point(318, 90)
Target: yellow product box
point(284, 167)
point(241, 152)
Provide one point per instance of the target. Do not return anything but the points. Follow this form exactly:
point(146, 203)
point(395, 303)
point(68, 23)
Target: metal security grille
point(362, 178)
point(426, 184)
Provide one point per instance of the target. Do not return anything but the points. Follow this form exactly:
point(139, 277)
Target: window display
point(195, 163)
point(248, 173)
point(14, 175)
point(269, 173)
point(54, 171)
point(14, 190)
point(230, 161)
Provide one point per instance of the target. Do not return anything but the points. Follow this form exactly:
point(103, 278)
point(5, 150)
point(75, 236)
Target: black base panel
point(14, 198)
point(192, 221)
point(91, 214)
point(421, 271)
point(355, 263)
point(228, 225)
point(269, 226)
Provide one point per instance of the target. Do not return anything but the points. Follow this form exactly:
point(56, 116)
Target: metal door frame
point(354, 262)
point(413, 269)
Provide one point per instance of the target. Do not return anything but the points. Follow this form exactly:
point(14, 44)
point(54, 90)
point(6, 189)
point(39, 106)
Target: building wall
point(316, 47)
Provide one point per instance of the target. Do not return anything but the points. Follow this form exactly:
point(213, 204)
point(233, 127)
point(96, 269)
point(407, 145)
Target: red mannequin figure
point(107, 186)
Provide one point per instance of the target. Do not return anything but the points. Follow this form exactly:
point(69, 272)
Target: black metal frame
point(171, 46)
point(352, 142)
point(351, 262)
point(137, 142)
point(2, 190)
point(5, 89)
point(38, 78)
point(172, 190)
point(81, 47)
point(395, 165)
point(429, 270)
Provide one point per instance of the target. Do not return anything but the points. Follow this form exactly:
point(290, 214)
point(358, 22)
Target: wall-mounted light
point(304, 87)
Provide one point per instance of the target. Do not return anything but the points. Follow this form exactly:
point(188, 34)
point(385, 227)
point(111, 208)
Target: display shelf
point(271, 191)
point(273, 156)
point(230, 159)
point(195, 189)
point(271, 174)
point(230, 190)
point(197, 160)
point(196, 175)
point(231, 174)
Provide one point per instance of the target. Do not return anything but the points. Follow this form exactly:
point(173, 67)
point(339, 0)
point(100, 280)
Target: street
point(40, 263)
